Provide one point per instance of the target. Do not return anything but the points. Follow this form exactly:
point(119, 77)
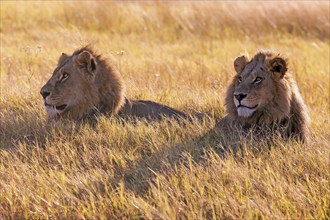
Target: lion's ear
point(86, 60)
point(278, 65)
point(62, 58)
point(240, 63)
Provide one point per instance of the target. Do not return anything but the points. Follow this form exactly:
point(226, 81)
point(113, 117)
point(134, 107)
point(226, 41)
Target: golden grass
point(179, 54)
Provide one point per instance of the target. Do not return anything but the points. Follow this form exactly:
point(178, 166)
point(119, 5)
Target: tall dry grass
point(179, 54)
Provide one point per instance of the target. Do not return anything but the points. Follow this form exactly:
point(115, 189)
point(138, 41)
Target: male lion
point(85, 83)
point(263, 97)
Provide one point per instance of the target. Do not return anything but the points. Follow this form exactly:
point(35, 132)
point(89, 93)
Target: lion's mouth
point(244, 106)
point(57, 107)
point(61, 107)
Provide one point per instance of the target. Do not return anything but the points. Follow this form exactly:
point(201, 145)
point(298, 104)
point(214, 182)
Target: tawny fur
point(280, 105)
point(94, 86)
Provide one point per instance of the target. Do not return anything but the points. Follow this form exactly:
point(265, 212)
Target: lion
point(264, 97)
point(86, 84)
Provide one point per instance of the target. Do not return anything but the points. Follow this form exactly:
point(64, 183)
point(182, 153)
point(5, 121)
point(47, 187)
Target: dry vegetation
point(179, 54)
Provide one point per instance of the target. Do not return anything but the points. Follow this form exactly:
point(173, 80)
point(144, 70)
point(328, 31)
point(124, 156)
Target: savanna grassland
point(180, 54)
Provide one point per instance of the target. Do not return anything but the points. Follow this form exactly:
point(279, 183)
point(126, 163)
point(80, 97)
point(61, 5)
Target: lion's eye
point(239, 79)
point(258, 80)
point(64, 77)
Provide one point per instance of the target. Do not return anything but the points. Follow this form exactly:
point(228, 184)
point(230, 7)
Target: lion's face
point(258, 86)
point(69, 88)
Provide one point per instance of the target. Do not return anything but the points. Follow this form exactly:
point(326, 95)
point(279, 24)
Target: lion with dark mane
point(264, 96)
point(85, 83)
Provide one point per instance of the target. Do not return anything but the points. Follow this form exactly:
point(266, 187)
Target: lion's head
point(81, 83)
point(263, 92)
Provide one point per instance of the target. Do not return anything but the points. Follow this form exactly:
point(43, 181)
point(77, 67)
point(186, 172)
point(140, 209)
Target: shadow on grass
point(139, 175)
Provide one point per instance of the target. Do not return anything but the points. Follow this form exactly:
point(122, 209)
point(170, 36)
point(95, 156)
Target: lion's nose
point(44, 94)
point(240, 96)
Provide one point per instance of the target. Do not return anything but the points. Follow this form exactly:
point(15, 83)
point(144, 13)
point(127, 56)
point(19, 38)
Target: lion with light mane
point(264, 96)
point(85, 83)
